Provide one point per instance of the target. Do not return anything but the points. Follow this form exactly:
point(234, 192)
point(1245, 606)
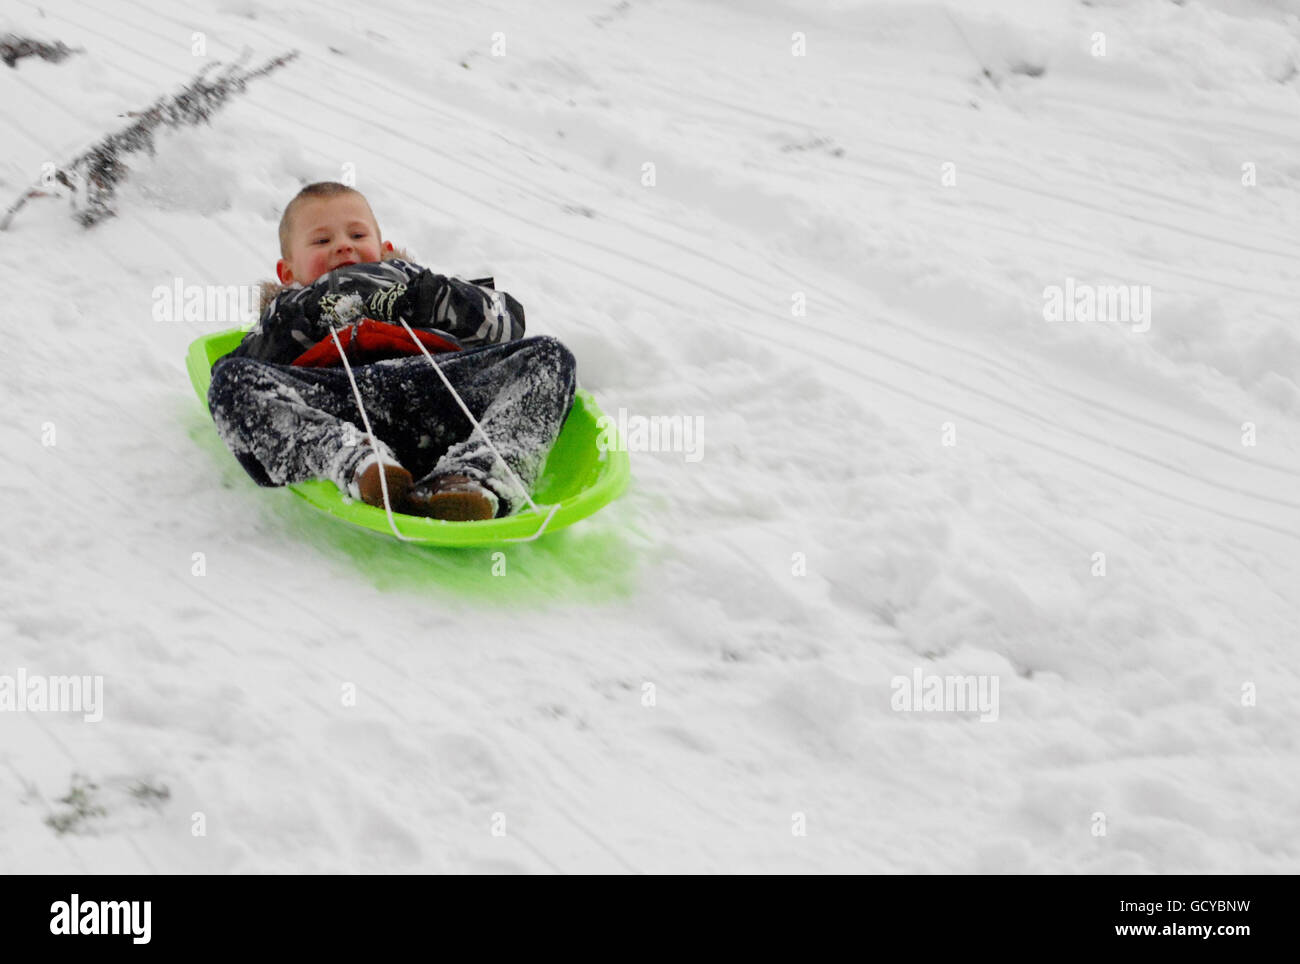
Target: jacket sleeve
point(284, 332)
point(472, 314)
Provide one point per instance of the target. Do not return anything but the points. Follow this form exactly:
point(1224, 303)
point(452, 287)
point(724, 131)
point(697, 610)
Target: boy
point(288, 419)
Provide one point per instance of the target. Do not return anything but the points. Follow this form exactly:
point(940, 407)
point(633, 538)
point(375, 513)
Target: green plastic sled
point(580, 476)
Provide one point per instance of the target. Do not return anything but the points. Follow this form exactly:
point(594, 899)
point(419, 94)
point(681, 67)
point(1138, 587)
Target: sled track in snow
point(930, 157)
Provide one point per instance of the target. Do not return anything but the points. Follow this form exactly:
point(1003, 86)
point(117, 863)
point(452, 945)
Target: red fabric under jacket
point(371, 341)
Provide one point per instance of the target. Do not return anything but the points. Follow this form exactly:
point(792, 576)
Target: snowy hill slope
point(767, 595)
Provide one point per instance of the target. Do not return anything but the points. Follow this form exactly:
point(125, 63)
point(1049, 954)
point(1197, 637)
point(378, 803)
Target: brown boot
point(456, 498)
point(399, 486)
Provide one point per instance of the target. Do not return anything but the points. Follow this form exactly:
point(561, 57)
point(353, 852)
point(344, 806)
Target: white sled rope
point(374, 443)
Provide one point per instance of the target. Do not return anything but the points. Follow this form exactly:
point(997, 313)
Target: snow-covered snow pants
point(288, 424)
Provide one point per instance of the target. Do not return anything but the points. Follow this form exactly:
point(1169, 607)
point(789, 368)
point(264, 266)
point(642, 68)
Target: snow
point(698, 678)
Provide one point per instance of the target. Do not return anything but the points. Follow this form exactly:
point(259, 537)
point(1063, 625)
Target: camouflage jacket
point(297, 317)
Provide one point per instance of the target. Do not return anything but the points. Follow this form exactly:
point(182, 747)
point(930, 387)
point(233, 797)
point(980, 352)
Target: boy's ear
point(388, 246)
point(284, 272)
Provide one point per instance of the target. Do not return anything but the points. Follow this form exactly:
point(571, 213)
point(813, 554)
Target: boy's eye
point(320, 240)
point(361, 234)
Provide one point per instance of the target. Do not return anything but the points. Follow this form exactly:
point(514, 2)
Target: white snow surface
point(698, 678)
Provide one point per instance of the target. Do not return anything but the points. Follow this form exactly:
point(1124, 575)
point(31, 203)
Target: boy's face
point(328, 232)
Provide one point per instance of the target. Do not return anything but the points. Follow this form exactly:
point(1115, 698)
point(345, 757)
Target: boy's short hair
point(319, 189)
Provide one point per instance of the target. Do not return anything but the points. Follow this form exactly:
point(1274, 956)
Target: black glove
point(415, 302)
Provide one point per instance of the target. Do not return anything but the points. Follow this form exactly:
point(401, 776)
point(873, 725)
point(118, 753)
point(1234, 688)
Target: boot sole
point(400, 485)
point(456, 507)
